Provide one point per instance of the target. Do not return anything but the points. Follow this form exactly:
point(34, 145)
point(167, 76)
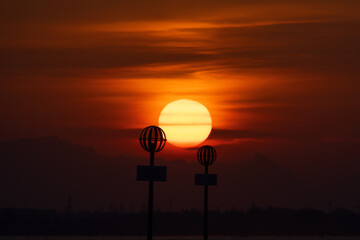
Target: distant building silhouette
point(268, 221)
point(68, 207)
point(121, 207)
point(100, 207)
point(330, 207)
point(170, 204)
point(112, 208)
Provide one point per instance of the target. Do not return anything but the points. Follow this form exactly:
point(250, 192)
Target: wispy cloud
point(275, 69)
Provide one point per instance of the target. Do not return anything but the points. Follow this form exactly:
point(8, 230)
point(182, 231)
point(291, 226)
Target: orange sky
point(273, 74)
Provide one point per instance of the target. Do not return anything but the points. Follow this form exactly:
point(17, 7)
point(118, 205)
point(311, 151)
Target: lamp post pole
point(152, 139)
point(206, 156)
point(151, 200)
point(206, 207)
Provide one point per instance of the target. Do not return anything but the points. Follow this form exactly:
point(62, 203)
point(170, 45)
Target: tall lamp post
point(152, 139)
point(206, 156)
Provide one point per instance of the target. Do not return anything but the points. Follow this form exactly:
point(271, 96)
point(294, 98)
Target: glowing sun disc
point(186, 123)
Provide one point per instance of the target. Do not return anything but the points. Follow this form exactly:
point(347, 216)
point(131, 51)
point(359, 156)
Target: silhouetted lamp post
point(152, 139)
point(206, 156)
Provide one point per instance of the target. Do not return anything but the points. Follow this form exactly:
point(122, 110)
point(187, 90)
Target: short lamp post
point(152, 139)
point(206, 156)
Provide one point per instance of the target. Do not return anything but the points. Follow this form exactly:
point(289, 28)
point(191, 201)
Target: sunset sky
point(280, 78)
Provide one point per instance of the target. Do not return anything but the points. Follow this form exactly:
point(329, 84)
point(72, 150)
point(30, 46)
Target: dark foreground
point(176, 238)
point(254, 222)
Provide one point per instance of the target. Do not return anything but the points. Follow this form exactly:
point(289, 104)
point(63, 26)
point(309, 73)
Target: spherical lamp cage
point(206, 155)
point(152, 139)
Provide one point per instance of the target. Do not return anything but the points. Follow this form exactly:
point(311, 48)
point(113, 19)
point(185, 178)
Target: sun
point(186, 123)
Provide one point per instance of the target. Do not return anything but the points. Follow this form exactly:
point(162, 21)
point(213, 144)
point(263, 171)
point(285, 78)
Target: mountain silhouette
point(43, 172)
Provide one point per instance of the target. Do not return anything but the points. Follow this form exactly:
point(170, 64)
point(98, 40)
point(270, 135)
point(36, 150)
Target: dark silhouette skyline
point(43, 172)
point(254, 221)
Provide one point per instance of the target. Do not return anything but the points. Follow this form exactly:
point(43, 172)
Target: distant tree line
point(255, 221)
